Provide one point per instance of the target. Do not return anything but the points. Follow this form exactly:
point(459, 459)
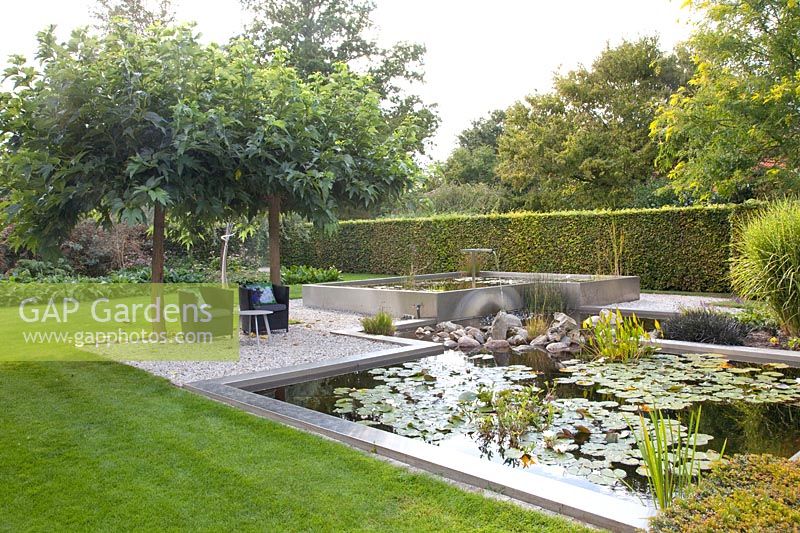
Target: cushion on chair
point(261, 295)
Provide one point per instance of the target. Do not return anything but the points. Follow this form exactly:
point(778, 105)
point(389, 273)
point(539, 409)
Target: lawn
point(296, 291)
point(103, 446)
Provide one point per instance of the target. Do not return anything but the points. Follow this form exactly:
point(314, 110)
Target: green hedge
point(669, 249)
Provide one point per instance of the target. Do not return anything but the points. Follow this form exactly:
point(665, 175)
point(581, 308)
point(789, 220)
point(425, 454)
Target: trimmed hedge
point(684, 249)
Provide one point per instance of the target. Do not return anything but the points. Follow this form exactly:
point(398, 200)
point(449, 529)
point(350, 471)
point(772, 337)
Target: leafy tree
point(136, 126)
point(475, 158)
point(732, 133)
point(319, 34)
point(586, 144)
point(139, 13)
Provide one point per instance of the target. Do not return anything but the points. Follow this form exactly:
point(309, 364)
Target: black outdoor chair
point(278, 320)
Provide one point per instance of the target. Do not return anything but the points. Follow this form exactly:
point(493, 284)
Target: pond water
point(447, 284)
point(587, 410)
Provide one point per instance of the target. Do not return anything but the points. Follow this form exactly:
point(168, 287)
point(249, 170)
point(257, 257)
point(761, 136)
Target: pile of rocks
point(506, 333)
point(563, 336)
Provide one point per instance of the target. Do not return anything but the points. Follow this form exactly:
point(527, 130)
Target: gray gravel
point(306, 342)
point(672, 302)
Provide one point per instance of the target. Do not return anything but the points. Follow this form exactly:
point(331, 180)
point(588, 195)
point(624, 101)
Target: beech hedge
point(686, 249)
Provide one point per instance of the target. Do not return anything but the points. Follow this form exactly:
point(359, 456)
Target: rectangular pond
point(584, 435)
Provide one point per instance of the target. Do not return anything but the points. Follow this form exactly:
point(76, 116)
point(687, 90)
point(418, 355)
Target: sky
point(481, 54)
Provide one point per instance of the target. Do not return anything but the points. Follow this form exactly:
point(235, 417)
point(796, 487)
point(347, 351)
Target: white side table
point(253, 315)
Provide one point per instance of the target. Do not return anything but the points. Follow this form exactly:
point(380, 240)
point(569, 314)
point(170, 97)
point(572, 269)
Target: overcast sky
point(482, 54)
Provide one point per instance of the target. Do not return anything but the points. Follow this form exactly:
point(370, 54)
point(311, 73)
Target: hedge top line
point(553, 214)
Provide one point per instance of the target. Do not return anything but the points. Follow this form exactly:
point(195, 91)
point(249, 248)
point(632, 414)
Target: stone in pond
point(468, 344)
point(516, 340)
point(541, 340)
point(497, 345)
point(477, 335)
point(450, 344)
point(502, 322)
point(557, 347)
point(448, 326)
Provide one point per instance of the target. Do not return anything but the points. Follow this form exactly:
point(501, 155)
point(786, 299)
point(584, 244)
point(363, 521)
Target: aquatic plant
point(380, 324)
point(706, 325)
point(542, 298)
point(766, 261)
point(617, 338)
point(669, 457)
point(504, 416)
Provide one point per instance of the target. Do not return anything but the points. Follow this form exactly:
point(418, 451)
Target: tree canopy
point(131, 126)
point(319, 34)
point(586, 144)
point(732, 133)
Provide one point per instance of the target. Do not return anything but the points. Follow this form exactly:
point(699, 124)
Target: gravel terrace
point(306, 342)
point(673, 303)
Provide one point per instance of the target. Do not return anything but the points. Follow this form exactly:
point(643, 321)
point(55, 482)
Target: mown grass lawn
point(103, 446)
point(296, 291)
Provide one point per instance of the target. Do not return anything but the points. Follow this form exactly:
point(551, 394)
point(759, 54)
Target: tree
point(127, 126)
point(475, 158)
point(732, 133)
point(319, 34)
point(91, 132)
point(139, 13)
point(586, 144)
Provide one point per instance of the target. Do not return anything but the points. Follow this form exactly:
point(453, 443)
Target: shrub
point(618, 338)
point(744, 493)
point(300, 274)
point(669, 248)
point(31, 270)
point(705, 325)
point(766, 264)
point(380, 324)
point(757, 315)
point(95, 251)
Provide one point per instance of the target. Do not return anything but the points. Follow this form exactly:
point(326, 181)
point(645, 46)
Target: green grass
point(296, 291)
point(103, 446)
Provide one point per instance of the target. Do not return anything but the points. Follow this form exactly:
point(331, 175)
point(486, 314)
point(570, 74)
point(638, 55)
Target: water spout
point(473, 262)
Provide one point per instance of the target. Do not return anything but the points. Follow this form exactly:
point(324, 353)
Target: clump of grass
point(537, 325)
point(705, 325)
point(618, 338)
point(766, 262)
point(669, 457)
point(380, 324)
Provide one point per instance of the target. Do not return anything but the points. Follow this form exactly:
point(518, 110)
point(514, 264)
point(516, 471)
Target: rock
point(522, 332)
point(468, 344)
point(502, 322)
point(557, 347)
point(575, 336)
point(450, 344)
point(477, 335)
point(420, 332)
point(541, 340)
point(554, 334)
point(459, 333)
point(517, 340)
point(428, 328)
point(497, 345)
point(560, 320)
point(448, 326)
point(525, 348)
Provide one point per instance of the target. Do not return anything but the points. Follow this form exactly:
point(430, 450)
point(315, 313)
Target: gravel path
point(306, 342)
point(673, 302)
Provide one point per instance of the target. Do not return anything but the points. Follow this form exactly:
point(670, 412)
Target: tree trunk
point(274, 221)
point(157, 266)
point(157, 262)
